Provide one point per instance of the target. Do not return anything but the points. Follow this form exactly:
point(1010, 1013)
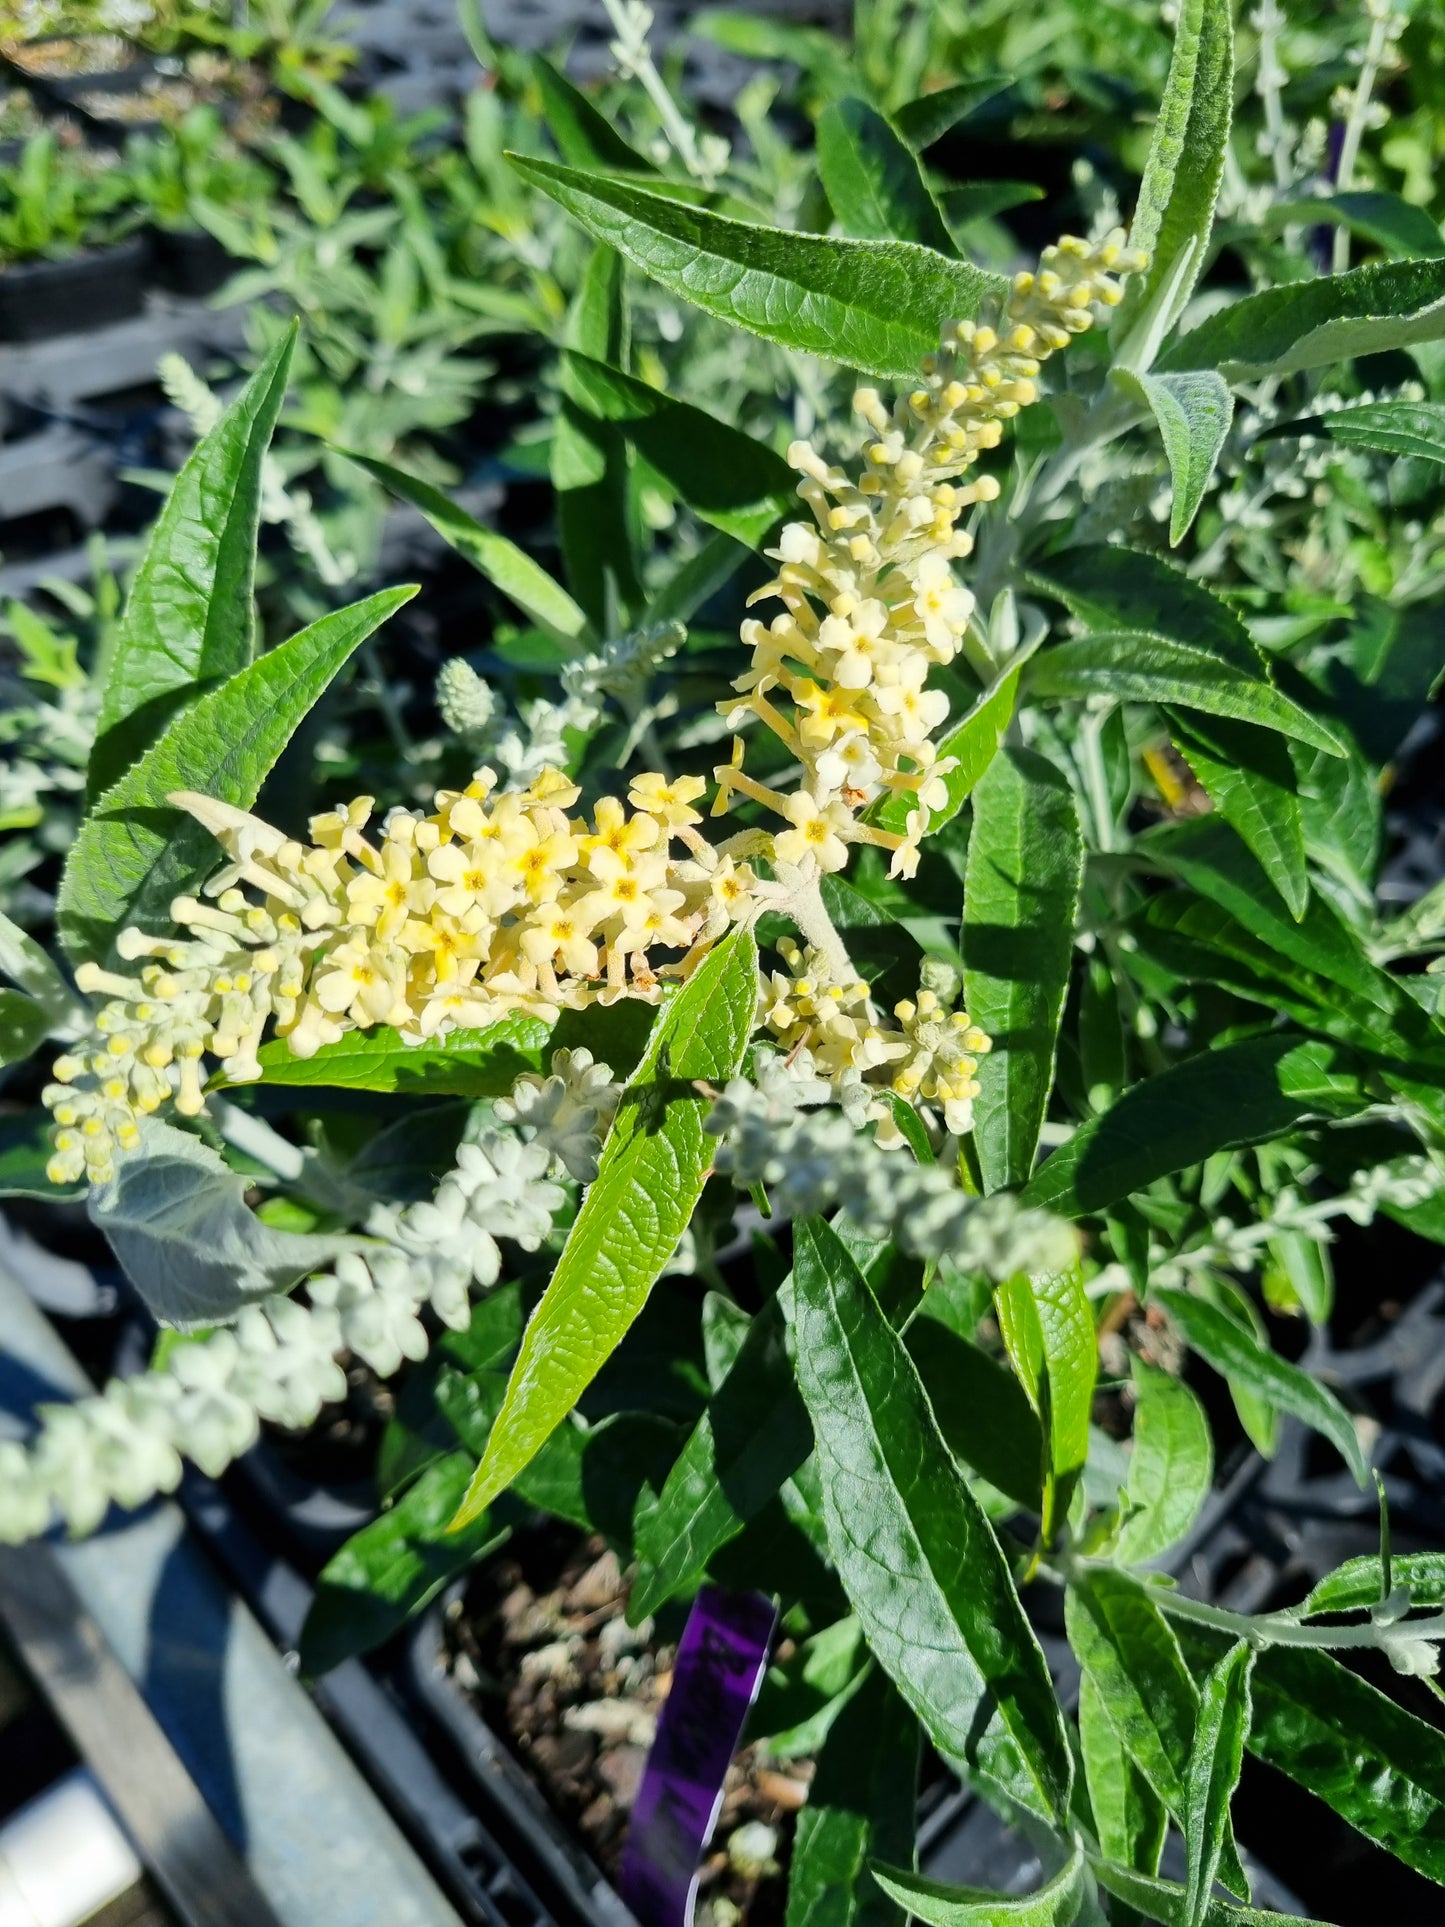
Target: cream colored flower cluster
point(499, 900)
point(492, 903)
point(870, 604)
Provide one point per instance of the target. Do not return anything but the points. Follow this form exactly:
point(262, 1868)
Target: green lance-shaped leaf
point(873, 305)
point(1130, 1819)
point(911, 1545)
point(1048, 1329)
point(1250, 779)
point(465, 1063)
point(1193, 412)
point(1246, 770)
point(1109, 587)
point(971, 746)
point(648, 1183)
point(1234, 1095)
point(1359, 1583)
point(1175, 210)
point(1119, 1636)
point(590, 466)
point(737, 484)
point(1164, 1901)
point(136, 851)
point(862, 1807)
point(1214, 1764)
point(1391, 222)
point(1170, 1469)
point(1239, 1355)
point(982, 1410)
point(1055, 1904)
point(584, 137)
point(507, 567)
point(872, 181)
point(1380, 1768)
point(1313, 324)
point(1391, 427)
point(1021, 892)
point(1212, 859)
point(927, 119)
point(390, 1569)
point(752, 1438)
point(1137, 667)
point(187, 622)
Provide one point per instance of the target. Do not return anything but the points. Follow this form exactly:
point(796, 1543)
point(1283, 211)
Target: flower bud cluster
point(490, 904)
point(279, 1361)
point(929, 1059)
point(870, 604)
point(811, 1160)
point(568, 1112)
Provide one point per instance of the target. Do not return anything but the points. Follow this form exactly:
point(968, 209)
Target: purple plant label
point(715, 1679)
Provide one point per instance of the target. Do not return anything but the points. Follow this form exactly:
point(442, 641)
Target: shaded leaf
point(1136, 667)
point(913, 1550)
point(1250, 779)
point(175, 1216)
point(872, 181)
point(1021, 892)
point(982, 1411)
point(1236, 1353)
point(927, 119)
point(584, 137)
point(737, 484)
point(390, 1569)
point(862, 1806)
point(1219, 1100)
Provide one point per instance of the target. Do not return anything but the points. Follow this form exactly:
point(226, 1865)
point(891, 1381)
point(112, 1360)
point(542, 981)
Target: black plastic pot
point(75, 294)
point(190, 262)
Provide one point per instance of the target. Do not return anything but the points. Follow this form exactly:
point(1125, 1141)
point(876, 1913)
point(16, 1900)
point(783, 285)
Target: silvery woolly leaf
point(176, 1218)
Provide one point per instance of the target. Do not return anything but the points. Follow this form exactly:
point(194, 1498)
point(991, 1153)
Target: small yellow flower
point(818, 831)
point(475, 877)
point(561, 931)
point(538, 861)
point(667, 801)
point(388, 899)
point(364, 981)
point(620, 840)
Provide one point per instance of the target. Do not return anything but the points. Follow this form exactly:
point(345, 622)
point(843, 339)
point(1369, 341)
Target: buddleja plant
point(907, 934)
